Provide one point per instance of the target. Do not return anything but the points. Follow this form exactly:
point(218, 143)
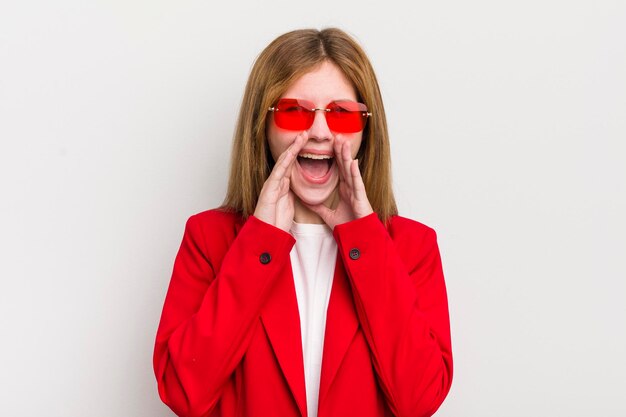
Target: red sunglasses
point(342, 116)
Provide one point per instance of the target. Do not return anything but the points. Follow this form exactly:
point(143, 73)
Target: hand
point(276, 200)
point(353, 203)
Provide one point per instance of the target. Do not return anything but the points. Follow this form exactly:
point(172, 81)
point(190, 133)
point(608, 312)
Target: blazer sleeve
point(402, 306)
point(208, 314)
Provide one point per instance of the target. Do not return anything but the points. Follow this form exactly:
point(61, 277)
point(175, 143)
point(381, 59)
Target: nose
point(319, 129)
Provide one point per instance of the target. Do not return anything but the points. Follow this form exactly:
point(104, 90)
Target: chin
point(314, 195)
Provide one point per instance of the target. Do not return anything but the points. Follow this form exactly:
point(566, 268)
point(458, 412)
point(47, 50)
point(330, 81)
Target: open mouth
point(314, 165)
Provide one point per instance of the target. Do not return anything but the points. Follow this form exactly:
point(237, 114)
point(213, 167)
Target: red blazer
point(229, 341)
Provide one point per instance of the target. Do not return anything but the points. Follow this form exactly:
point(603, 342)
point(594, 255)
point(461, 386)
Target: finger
point(338, 146)
point(284, 186)
point(358, 187)
point(347, 163)
point(337, 149)
point(344, 191)
point(286, 159)
point(321, 210)
point(285, 210)
point(289, 155)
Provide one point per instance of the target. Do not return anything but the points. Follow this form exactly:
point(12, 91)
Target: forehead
point(321, 85)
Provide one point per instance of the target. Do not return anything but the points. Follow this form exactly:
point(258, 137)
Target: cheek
point(356, 145)
point(273, 150)
point(276, 143)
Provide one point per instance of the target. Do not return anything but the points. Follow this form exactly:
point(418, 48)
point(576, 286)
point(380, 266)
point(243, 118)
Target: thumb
point(321, 210)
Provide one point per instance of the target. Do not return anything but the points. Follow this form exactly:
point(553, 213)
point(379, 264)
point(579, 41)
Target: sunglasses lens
point(342, 116)
point(346, 116)
point(293, 114)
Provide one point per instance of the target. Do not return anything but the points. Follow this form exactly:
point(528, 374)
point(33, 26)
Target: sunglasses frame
point(364, 113)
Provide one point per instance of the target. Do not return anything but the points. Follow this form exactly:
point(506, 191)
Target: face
point(312, 180)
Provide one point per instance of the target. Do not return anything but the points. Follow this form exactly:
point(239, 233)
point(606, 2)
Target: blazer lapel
point(281, 320)
point(341, 326)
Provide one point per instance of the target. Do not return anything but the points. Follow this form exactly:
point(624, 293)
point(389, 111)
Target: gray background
point(507, 121)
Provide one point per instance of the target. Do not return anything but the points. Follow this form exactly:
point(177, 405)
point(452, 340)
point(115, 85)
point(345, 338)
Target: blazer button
point(355, 254)
point(265, 258)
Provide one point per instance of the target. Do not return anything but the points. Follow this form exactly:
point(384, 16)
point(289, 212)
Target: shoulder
point(213, 232)
point(415, 242)
point(405, 230)
point(216, 217)
point(215, 224)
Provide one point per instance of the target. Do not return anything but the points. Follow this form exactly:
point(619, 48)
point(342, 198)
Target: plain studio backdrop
point(508, 129)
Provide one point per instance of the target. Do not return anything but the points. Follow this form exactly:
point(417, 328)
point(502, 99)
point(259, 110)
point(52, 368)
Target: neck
point(303, 214)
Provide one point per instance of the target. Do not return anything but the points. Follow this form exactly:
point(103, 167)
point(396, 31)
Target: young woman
point(306, 294)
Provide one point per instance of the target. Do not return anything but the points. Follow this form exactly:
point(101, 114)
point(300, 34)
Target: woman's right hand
point(276, 201)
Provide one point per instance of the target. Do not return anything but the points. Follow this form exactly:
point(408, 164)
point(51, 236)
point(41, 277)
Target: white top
point(313, 260)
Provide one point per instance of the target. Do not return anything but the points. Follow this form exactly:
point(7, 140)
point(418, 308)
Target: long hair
point(281, 63)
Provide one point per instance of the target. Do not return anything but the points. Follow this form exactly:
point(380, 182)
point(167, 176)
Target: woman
point(306, 294)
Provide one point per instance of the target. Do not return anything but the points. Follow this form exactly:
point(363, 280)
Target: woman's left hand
point(353, 203)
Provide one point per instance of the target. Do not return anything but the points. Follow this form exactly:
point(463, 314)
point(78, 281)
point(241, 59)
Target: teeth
point(315, 156)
